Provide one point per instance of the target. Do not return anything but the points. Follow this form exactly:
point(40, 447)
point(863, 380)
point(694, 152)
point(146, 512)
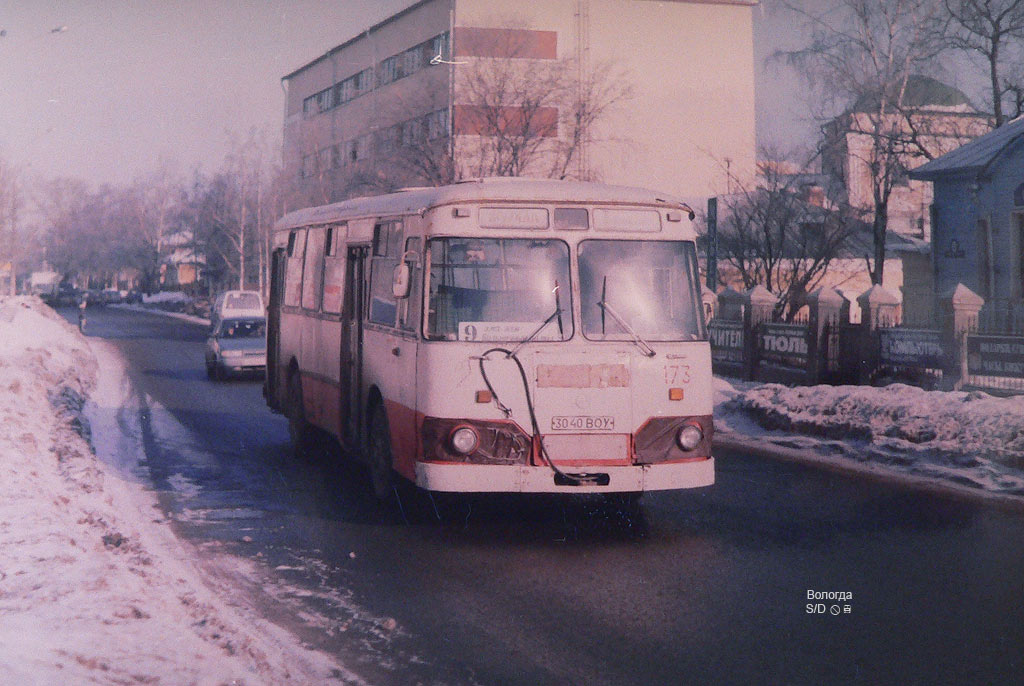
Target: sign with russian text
point(911, 348)
point(995, 356)
point(784, 344)
point(726, 341)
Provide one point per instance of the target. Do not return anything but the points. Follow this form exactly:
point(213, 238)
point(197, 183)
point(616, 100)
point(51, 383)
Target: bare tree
point(782, 234)
point(153, 204)
point(863, 53)
point(989, 28)
point(12, 245)
point(512, 116)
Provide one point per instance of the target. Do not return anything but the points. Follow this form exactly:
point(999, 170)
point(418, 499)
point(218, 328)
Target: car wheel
point(379, 449)
point(209, 370)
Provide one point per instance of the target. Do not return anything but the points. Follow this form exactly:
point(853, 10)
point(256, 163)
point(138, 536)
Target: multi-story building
point(637, 92)
point(935, 118)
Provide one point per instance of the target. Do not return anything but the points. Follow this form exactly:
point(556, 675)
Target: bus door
point(352, 343)
point(272, 380)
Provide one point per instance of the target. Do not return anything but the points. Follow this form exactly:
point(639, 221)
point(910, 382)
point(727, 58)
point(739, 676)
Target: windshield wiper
point(536, 332)
point(605, 307)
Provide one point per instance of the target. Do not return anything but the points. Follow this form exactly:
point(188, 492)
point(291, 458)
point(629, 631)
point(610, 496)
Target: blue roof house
point(978, 216)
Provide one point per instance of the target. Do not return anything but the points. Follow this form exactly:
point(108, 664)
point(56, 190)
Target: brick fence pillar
point(828, 309)
point(759, 307)
point(958, 310)
point(879, 308)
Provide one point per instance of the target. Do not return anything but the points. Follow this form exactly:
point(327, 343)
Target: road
point(706, 586)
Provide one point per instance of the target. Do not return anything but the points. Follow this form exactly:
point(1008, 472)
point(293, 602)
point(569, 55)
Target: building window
point(985, 259)
point(1018, 196)
point(437, 124)
point(308, 166)
point(439, 46)
point(412, 132)
point(388, 70)
point(346, 90)
point(412, 61)
point(364, 80)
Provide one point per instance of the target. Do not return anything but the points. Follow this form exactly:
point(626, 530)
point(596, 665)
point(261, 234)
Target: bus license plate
point(583, 423)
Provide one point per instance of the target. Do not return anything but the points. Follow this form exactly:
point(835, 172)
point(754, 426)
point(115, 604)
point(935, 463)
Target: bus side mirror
point(400, 282)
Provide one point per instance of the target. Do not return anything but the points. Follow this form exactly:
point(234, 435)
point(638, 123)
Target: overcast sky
point(128, 83)
point(132, 81)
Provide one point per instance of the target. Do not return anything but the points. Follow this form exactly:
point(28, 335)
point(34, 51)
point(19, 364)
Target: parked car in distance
point(111, 296)
point(237, 345)
point(237, 304)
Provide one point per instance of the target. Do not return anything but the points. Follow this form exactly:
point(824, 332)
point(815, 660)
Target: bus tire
point(379, 453)
point(298, 427)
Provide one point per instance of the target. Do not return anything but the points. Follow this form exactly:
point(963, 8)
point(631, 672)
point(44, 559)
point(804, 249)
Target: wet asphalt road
point(707, 586)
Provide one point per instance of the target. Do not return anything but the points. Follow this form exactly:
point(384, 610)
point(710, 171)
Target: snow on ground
point(166, 297)
point(94, 586)
point(964, 440)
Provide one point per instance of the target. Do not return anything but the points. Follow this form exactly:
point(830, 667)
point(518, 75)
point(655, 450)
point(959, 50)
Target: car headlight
point(464, 440)
point(689, 437)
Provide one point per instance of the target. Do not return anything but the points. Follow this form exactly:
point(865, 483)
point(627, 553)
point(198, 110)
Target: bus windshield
point(499, 289)
point(640, 289)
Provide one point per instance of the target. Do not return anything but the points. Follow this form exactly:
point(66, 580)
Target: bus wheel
point(379, 447)
point(298, 428)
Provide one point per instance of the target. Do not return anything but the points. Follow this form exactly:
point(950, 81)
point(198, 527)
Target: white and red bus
point(512, 335)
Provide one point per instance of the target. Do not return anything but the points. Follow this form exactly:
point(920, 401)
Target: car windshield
point(243, 328)
point(640, 289)
point(499, 289)
point(242, 301)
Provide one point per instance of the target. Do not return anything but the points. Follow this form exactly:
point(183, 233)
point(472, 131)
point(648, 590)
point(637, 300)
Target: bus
point(497, 335)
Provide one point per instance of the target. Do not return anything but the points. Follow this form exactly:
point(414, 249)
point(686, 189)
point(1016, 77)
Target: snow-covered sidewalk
point(94, 586)
point(972, 442)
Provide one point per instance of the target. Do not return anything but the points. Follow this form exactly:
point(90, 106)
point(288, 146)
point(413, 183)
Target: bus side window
point(313, 273)
point(334, 270)
point(387, 242)
point(409, 309)
point(293, 269)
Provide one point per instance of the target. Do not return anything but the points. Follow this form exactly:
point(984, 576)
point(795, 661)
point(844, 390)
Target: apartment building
point(667, 93)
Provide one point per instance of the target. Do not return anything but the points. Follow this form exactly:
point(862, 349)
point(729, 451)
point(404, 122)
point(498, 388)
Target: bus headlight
point(689, 437)
point(464, 440)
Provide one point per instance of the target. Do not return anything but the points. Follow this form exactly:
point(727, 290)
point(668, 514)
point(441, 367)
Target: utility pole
point(712, 248)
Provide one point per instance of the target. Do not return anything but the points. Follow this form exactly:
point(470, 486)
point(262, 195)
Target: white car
point(237, 304)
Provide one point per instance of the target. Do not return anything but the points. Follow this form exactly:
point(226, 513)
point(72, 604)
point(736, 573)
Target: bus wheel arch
point(378, 446)
point(298, 428)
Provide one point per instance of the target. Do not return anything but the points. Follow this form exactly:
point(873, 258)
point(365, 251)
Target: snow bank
point(94, 587)
point(968, 439)
point(166, 297)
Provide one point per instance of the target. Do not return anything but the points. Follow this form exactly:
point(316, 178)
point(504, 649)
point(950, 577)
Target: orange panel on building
point(478, 42)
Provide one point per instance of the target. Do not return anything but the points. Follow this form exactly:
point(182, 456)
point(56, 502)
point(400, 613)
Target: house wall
point(1007, 224)
point(955, 245)
point(689, 62)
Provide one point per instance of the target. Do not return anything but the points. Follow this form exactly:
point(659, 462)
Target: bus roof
point(416, 200)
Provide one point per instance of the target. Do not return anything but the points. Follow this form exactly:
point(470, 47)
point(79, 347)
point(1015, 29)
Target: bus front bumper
point(476, 478)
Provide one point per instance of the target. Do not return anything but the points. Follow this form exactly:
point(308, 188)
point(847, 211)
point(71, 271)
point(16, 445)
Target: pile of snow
point(966, 439)
point(94, 587)
point(166, 297)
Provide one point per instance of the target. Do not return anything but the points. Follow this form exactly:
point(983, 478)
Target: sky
point(107, 90)
point(129, 84)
